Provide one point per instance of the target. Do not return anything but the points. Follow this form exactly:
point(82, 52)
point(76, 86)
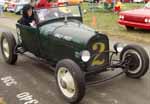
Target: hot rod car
point(74, 49)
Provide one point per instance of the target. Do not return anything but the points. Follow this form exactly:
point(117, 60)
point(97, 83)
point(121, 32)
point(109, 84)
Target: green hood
point(78, 32)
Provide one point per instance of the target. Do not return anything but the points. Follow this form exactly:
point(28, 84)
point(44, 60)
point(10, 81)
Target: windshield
point(58, 12)
point(147, 5)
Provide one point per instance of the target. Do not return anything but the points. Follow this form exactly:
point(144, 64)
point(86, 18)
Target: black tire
point(129, 28)
point(78, 77)
point(9, 38)
point(137, 61)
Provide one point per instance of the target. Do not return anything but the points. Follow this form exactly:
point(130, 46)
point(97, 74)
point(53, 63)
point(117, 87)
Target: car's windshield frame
point(52, 18)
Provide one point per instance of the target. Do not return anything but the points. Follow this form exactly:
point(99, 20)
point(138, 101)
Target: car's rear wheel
point(129, 28)
point(70, 80)
point(136, 61)
point(8, 45)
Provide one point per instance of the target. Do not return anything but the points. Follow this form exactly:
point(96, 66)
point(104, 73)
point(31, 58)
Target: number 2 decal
point(101, 48)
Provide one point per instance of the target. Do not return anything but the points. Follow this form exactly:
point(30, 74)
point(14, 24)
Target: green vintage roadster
point(74, 49)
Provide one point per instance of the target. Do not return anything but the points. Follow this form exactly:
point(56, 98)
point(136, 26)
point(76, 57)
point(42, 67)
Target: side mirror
point(118, 47)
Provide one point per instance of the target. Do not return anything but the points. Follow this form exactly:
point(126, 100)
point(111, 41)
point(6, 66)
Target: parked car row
point(124, 1)
point(14, 5)
point(137, 18)
point(134, 1)
point(17, 5)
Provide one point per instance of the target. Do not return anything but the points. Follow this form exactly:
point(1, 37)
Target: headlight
point(121, 17)
point(146, 20)
point(119, 47)
point(85, 56)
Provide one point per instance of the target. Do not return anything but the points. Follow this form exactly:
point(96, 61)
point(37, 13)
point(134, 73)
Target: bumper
point(134, 24)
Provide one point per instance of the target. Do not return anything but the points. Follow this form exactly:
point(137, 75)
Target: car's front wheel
point(8, 44)
point(136, 61)
point(70, 80)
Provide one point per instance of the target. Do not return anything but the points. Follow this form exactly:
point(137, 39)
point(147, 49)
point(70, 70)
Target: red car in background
point(45, 4)
point(146, 1)
point(137, 18)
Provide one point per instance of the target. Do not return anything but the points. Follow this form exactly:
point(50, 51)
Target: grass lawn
point(11, 15)
point(106, 22)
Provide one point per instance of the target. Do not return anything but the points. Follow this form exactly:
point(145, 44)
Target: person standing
point(42, 4)
point(1, 6)
point(118, 6)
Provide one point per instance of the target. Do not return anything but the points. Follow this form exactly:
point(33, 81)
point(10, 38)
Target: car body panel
point(29, 38)
point(76, 34)
point(73, 41)
point(135, 24)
